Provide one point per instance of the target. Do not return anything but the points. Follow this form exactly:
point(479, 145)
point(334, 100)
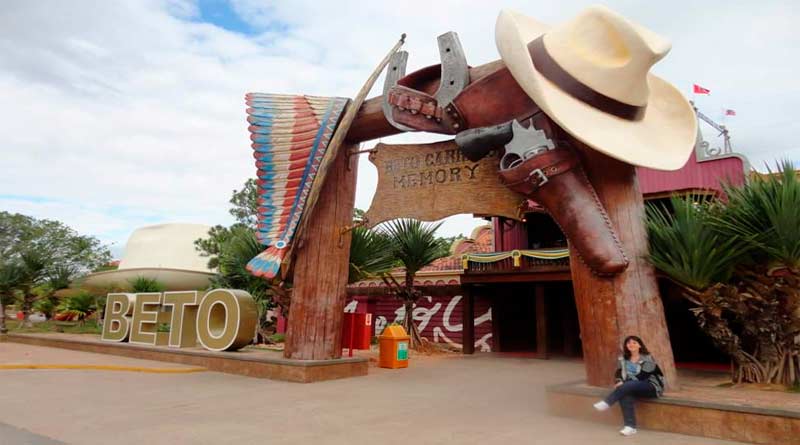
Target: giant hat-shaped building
point(163, 252)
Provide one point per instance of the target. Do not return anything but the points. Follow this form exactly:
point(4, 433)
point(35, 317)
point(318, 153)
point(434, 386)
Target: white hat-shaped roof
point(163, 252)
point(166, 246)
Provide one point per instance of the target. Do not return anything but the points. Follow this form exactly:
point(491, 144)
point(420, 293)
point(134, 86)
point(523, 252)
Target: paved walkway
point(438, 400)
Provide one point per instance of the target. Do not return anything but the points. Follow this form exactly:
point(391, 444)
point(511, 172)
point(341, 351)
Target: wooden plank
point(320, 269)
point(518, 277)
point(432, 181)
point(468, 321)
point(629, 303)
point(541, 322)
point(436, 290)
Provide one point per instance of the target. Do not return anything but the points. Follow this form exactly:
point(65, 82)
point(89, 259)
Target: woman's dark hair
point(626, 353)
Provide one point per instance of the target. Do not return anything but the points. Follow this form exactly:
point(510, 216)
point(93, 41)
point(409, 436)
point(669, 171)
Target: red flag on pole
point(700, 90)
point(730, 112)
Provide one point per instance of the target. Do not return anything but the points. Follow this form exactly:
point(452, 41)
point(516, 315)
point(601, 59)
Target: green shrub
point(46, 306)
point(144, 284)
point(277, 338)
point(78, 306)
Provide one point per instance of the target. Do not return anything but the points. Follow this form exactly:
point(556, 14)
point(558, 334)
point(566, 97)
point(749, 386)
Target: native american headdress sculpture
point(290, 137)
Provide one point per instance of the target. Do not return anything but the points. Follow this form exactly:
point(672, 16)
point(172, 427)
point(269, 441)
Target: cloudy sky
point(119, 114)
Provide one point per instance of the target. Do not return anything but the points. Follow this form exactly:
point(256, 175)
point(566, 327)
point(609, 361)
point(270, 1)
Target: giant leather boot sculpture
point(539, 162)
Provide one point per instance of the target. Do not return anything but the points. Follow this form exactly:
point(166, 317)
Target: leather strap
point(545, 166)
point(421, 111)
point(550, 69)
point(490, 100)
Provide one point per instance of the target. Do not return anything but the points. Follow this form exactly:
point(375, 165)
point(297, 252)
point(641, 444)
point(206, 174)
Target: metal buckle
point(542, 177)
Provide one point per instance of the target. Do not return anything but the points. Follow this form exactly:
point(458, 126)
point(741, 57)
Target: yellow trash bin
point(393, 345)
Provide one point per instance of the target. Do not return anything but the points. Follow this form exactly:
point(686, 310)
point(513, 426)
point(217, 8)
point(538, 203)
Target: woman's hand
point(618, 384)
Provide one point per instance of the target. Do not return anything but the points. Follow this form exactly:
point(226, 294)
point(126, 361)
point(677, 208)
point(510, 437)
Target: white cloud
point(123, 113)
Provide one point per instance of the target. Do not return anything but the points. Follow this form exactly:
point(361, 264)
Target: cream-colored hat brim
point(662, 140)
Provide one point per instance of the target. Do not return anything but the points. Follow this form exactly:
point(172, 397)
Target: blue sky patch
point(220, 13)
point(27, 198)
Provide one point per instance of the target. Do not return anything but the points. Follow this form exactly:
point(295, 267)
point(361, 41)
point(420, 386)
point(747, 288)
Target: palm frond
point(414, 243)
point(766, 214)
point(370, 254)
point(235, 253)
point(685, 246)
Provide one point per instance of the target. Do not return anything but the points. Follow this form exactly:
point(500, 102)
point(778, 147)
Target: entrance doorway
point(519, 327)
point(514, 319)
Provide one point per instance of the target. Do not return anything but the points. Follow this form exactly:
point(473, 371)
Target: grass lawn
point(89, 327)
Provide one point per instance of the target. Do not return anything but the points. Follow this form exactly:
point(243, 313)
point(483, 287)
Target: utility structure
point(703, 149)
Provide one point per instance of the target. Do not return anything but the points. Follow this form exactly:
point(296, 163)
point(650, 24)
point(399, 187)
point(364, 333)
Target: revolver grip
point(478, 142)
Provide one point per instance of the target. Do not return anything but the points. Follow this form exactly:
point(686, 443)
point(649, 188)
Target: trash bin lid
point(394, 331)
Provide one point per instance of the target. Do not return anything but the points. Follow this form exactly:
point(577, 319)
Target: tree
point(370, 254)
point(245, 204)
point(737, 262)
point(235, 252)
point(451, 240)
point(10, 276)
point(229, 249)
point(244, 208)
point(44, 251)
point(414, 245)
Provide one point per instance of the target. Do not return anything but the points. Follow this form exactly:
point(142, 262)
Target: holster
point(556, 180)
point(491, 100)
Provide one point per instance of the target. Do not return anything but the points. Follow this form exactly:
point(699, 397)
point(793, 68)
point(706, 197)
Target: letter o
point(226, 319)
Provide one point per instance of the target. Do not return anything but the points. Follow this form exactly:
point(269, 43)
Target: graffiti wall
point(438, 318)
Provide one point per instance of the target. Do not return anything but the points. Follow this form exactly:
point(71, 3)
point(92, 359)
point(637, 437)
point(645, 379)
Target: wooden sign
point(433, 181)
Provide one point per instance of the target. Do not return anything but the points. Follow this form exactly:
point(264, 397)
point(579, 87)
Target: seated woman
point(637, 375)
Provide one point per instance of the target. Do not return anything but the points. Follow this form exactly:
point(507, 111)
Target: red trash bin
point(356, 331)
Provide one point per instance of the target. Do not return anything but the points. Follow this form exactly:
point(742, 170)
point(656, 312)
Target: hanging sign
point(433, 181)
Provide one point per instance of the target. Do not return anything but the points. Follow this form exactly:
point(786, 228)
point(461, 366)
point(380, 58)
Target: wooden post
point(568, 326)
point(321, 266)
point(541, 322)
point(495, 306)
point(626, 304)
point(468, 321)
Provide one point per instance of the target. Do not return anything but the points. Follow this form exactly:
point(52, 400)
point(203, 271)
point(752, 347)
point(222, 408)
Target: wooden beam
point(442, 290)
point(610, 308)
point(370, 122)
point(541, 322)
point(468, 321)
point(516, 277)
point(320, 269)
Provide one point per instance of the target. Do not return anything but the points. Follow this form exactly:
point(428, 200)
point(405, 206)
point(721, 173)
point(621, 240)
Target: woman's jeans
point(626, 393)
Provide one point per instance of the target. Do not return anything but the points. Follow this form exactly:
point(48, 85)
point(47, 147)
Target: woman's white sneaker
point(601, 405)
point(627, 431)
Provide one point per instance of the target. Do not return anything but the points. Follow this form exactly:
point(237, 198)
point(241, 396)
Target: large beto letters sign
point(222, 320)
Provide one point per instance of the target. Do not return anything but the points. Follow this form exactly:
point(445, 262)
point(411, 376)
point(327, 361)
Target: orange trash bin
point(393, 345)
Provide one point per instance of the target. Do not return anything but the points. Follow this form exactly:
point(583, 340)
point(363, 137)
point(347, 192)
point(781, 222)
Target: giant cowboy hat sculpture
point(591, 76)
point(586, 80)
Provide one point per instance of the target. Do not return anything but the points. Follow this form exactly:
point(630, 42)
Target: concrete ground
point(438, 400)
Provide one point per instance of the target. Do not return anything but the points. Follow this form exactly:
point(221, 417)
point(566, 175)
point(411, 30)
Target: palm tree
point(370, 254)
point(414, 245)
point(685, 246)
point(33, 270)
point(10, 275)
point(766, 214)
point(723, 257)
point(234, 254)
